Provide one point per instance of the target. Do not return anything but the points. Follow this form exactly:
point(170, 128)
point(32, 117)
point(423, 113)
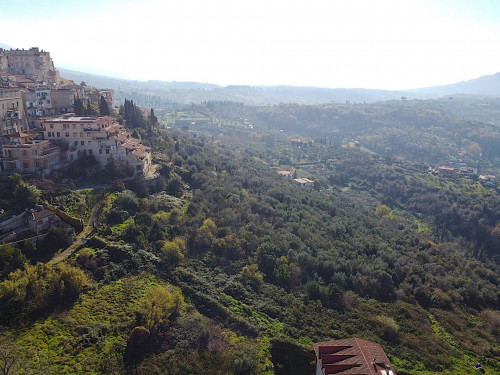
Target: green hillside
point(221, 266)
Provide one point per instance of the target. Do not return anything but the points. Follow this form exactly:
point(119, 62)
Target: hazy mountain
point(483, 86)
point(186, 92)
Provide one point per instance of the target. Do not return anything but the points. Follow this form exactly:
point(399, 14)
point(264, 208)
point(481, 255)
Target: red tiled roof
point(351, 356)
point(141, 151)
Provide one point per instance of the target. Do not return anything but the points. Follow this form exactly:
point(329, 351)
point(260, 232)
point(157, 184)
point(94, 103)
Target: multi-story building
point(101, 137)
point(4, 63)
point(46, 101)
point(32, 63)
point(12, 116)
point(24, 155)
point(39, 102)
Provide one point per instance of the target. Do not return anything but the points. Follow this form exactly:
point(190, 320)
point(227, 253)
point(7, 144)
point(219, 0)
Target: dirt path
point(87, 229)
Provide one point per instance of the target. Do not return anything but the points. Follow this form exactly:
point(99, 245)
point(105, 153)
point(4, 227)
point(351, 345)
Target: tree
point(91, 109)
point(104, 107)
point(383, 210)
point(11, 258)
point(171, 254)
point(111, 167)
point(78, 107)
point(24, 194)
point(158, 307)
point(153, 121)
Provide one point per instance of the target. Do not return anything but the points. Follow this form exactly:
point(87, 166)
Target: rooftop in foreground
point(351, 356)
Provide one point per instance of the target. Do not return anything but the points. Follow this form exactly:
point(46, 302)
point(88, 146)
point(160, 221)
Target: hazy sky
point(388, 44)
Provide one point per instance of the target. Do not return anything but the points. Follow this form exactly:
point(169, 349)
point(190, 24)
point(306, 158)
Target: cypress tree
point(103, 107)
point(78, 107)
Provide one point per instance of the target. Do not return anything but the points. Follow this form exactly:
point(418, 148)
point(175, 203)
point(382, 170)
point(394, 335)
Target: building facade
point(34, 63)
point(12, 116)
point(101, 137)
point(24, 155)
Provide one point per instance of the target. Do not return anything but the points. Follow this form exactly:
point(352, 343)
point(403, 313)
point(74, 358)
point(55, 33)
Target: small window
point(52, 126)
point(90, 151)
point(107, 151)
point(58, 134)
point(66, 134)
point(100, 151)
point(82, 143)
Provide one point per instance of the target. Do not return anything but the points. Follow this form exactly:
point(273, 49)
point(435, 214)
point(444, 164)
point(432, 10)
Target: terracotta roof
point(445, 168)
point(351, 357)
point(141, 151)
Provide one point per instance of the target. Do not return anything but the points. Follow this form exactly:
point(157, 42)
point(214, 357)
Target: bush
point(138, 345)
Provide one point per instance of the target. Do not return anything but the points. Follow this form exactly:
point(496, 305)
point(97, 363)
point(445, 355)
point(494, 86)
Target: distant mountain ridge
point(488, 85)
point(192, 92)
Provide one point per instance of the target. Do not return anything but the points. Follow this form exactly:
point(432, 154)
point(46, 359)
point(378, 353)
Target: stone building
point(34, 63)
point(12, 116)
point(101, 137)
point(24, 155)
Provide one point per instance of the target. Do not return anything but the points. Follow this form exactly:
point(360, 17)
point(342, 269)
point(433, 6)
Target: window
point(48, 134)
point(81, 134)
point(89, 143)
point(107, 151)
point(82, 143)
point(90, 151)
point(58, 134)
point(100, 151)
point(76, 143)
point(88, 134)
point(75, 134)
point(66, 134)
point(52, 126)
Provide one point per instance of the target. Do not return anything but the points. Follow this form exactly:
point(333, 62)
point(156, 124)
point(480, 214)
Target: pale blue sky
point(387, 44)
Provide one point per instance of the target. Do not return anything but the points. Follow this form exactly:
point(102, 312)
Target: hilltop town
point(47, 121)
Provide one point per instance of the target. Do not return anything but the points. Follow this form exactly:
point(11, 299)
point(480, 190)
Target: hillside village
point(39, 128)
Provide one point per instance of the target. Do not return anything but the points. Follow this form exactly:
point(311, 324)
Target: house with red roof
point(351, 356)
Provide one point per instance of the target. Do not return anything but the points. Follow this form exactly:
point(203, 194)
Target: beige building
point(24, 155)
point(12, 116)
point(45, 101)
point(101, 137)
point(33, 63)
